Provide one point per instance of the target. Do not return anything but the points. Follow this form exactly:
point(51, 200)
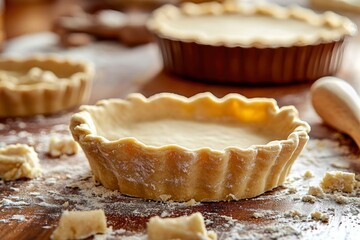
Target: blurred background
point(29, 16)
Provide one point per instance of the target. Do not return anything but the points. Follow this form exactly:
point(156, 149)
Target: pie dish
point(337, 5)
point(169, 147)
point(42, 85)
point(250, 43)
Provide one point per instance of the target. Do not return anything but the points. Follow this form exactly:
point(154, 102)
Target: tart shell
point(261, 61)
point(28, 100)
point(180, 174)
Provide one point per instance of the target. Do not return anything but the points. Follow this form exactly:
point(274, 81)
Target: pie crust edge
point(343, 25)
point(298, 61)
point(35, 99)
point(176, 173)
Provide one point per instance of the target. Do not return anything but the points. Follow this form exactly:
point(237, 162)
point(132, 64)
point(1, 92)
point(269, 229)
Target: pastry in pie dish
point(42, 85)
point(250, 43)
point(202, 148)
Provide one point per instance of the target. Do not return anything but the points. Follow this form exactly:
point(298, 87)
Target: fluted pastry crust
point(330, 26)
point(68, 86)
point(257, 43)
point(179, 173)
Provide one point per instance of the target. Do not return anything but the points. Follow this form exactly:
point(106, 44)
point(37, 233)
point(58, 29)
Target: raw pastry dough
point(42, 85)
point(169, 147)
point(338, 181)
point(34, 76)
point(80, 225)
point(181, 228)
point(19, 161)
point(63, 146)
point(250, 43)
point(259, 24)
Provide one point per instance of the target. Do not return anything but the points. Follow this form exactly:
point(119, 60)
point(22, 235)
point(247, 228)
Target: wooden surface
point(121, 71)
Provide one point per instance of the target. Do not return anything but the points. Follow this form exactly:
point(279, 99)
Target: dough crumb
point(320, 216)
point(338, 181)
point(80, 224)
point(66, 204)
point(292, 190)
point(185, 227)
point(293, 214)
point(341, 199)
point(231, 197)
point(258, 215)
point(192, 203)
point(60, 147)
point(19, 161)
point(165, 197)
point(308, 198)
point(316, 192)
point(308, 174)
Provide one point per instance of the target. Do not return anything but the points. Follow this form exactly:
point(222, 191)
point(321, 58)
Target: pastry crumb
point(316, 192)
point(19, 161)
point(165, 197)
point(309, 198)
point(185, 227)
point(341, 199)
point(338, 181)
point(320, 216)
point(165, 214)
point(292, 190)
point(308, 174)
point(62, 147)
point(80, 224)
point(293, 214)
point(66, 204)
point(231, 197)
point(192, 202)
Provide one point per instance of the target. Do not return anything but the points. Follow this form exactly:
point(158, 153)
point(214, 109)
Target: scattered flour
point(19, 218)
point(82, 193)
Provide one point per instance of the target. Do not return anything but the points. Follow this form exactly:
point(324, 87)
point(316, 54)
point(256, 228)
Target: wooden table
point(68, 181)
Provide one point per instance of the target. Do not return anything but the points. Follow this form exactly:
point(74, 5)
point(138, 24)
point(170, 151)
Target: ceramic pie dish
point(203, 148)
point(42, 85)
point(337, 5)
point(250, 43)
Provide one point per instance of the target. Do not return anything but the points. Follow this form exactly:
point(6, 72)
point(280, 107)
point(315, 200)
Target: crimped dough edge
point(158, 23)
point(180, 174)
point(28, 100)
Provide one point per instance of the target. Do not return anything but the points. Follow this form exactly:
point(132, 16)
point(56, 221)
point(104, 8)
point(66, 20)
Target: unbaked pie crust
point(42, 85)
point(203, 148)
point(249, 43)
point(260, 25)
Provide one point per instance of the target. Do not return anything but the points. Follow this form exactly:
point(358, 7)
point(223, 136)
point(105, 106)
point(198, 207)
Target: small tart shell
point(45, 98)
point(178, 173)
point(223, 59)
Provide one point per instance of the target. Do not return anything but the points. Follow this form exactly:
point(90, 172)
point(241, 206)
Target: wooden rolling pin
point(338, 105)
